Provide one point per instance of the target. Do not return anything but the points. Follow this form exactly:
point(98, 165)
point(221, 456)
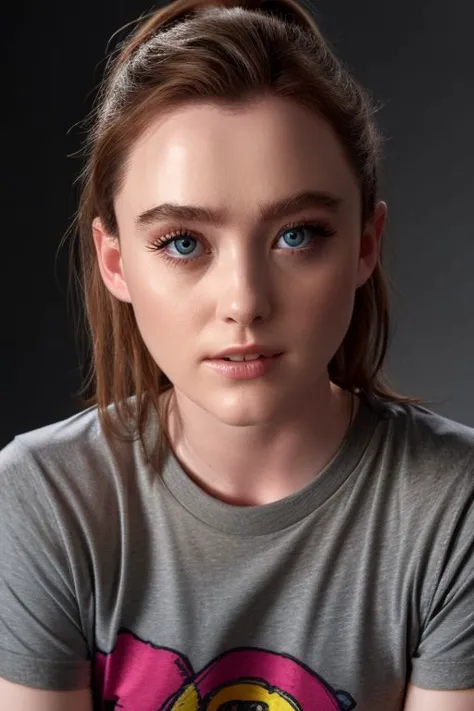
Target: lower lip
point(240, 370)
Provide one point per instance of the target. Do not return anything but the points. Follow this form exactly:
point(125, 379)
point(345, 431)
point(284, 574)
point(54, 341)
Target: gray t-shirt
point(163, 597)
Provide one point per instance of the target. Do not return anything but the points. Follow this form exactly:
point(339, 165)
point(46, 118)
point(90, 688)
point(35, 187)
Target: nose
point(243, 291)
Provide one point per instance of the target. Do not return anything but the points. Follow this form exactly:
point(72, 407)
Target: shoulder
point(56, 435)
point(70, 460)
point(422, 421)
point(423, 439)
point(423, 463)
point(58, 445)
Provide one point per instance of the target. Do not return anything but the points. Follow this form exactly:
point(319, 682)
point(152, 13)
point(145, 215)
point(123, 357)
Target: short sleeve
point(42, 644)
point(444, 658)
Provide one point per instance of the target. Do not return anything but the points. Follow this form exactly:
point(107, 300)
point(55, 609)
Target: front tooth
point(241, 357)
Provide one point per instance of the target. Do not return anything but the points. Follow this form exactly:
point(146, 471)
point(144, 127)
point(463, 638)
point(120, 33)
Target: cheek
point(326, 304)
point(165, 311)
point(162, 327)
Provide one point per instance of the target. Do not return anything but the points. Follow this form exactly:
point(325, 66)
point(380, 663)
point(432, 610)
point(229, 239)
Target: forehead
point(217, 155)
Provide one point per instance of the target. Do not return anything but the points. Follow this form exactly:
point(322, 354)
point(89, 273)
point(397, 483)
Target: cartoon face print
point(138, 676)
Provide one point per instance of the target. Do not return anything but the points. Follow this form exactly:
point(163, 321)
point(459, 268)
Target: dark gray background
point(418, 60)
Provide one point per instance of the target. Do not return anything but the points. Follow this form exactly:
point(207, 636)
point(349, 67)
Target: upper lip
point(247, 350)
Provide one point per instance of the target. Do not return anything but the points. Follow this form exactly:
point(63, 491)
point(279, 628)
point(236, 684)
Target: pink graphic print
point(139, 676)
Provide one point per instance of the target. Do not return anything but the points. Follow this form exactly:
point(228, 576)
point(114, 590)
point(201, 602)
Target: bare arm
point(23, 698)
point(431, 700)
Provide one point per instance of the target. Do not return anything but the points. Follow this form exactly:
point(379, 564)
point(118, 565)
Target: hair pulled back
point(232, 54)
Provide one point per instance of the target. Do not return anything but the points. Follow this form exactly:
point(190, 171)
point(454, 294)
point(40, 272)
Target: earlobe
point(110, 261)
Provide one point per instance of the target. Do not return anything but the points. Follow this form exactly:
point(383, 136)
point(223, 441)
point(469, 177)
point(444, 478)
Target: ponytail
point(224, 51)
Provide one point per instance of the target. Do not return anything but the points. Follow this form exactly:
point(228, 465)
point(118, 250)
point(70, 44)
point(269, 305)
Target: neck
point(260, 464)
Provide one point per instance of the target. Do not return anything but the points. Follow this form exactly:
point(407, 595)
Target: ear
point(110, 261)
point(371, 243)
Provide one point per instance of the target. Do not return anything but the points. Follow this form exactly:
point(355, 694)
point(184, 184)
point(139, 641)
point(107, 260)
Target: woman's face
point(247, 276)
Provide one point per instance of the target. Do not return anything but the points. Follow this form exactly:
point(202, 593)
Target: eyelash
point(158, 245)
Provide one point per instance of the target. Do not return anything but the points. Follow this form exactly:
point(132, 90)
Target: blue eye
point(294, 240)
point(184, 243)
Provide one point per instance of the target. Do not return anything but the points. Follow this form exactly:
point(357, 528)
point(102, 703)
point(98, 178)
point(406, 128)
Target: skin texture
point(246, 442)
point(434, 700)
point(15, 697)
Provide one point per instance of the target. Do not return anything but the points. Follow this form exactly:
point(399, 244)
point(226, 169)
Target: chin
point(244, 409)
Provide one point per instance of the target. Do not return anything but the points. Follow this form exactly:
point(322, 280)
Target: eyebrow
point(268, 212)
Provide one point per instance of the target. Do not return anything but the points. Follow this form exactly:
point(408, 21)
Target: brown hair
point(230, 53)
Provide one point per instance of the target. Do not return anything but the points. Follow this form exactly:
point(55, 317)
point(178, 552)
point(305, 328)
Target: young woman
point(245, 516)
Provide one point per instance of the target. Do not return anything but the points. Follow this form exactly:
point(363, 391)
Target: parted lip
point(246, 350)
